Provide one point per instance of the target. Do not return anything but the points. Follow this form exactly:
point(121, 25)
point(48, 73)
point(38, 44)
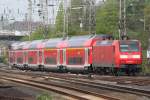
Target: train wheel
point(136, 70)
point(13, 66)
point(130, 70)
point(41, 67)
point(116, 71)
point(62, 69)
point(90, 69)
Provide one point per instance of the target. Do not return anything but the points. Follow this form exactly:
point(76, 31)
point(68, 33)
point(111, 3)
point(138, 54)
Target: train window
point(19, 60)
point(50, 60)
point(30, 60)
point(75, 60)
point(130, 46)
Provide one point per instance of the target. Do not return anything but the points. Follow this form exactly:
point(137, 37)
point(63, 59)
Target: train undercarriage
point(129, 70)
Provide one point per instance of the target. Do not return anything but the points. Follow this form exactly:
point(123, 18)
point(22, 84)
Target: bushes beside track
point(145, 64)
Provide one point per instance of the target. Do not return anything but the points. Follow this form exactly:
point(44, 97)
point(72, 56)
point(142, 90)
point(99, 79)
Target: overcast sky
point(13, 8)
point(16, 9)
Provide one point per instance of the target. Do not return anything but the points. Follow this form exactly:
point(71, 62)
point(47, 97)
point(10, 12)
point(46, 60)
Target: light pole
point(91, 13)
point(122, 18)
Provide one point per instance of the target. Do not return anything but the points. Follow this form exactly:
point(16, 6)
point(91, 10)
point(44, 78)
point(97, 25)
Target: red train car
point(12, 54)
point(51, 54)
point(77, 53)
point(111, 56)
point(33, 54)
point(16, 55)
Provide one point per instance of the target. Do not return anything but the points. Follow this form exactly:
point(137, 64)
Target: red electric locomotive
point(77, 54)
point(116, 55)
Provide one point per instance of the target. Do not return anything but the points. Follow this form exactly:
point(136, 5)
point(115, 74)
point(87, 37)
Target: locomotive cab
point(130, 55)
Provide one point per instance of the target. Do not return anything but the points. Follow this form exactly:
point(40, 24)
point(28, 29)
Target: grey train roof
point(78, 41)
point(74, 41)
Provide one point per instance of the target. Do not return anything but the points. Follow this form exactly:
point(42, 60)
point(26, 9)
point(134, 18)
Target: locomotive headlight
point(123, 56)
point(136, 56)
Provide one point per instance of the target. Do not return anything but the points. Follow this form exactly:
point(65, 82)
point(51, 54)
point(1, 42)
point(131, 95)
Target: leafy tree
point(147, 16)
point(75, 17)
point(42, 32)
point(135, 15)
point(107, 18)
point(60, 19)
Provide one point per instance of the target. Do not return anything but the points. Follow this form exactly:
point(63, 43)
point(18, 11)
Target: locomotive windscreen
point(129, 46)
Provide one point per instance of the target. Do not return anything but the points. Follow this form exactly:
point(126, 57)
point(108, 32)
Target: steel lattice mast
point(122, 18)
point(29, 17)
point(90, 14)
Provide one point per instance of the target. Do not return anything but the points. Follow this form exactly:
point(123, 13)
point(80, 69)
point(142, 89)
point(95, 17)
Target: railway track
point(72, 92)
point(136, 80)
point(89, 83)
point(103, 85)
point(112, 87)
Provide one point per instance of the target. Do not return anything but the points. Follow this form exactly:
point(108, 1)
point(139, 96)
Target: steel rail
point(64, 90)
point(105, 86)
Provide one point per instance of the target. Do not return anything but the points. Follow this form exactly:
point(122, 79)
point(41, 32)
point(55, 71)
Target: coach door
point(25, 57)
point(86, 56)
point(62, 56)
point(40, 56)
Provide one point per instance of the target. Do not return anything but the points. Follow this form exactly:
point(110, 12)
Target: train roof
point(74, 41)
point(17, 45)
point(52, 43)
point(22, 44)
point(106, 42)
point(86, 40)
point(35, 44)
point(14, 46)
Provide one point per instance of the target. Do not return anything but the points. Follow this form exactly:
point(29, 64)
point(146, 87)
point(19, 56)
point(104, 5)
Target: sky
point(17, 9)
point(13, 8)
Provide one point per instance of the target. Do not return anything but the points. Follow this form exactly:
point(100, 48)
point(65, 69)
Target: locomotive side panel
point(103, 56)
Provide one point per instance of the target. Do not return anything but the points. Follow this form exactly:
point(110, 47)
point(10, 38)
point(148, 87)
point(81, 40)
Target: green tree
point(42, 32)
point(147, 16)
point(60, 19)
point(75, 17)
point(135, 15)
point(107, 18)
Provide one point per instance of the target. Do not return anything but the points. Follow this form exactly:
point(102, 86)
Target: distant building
point(23, 26)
